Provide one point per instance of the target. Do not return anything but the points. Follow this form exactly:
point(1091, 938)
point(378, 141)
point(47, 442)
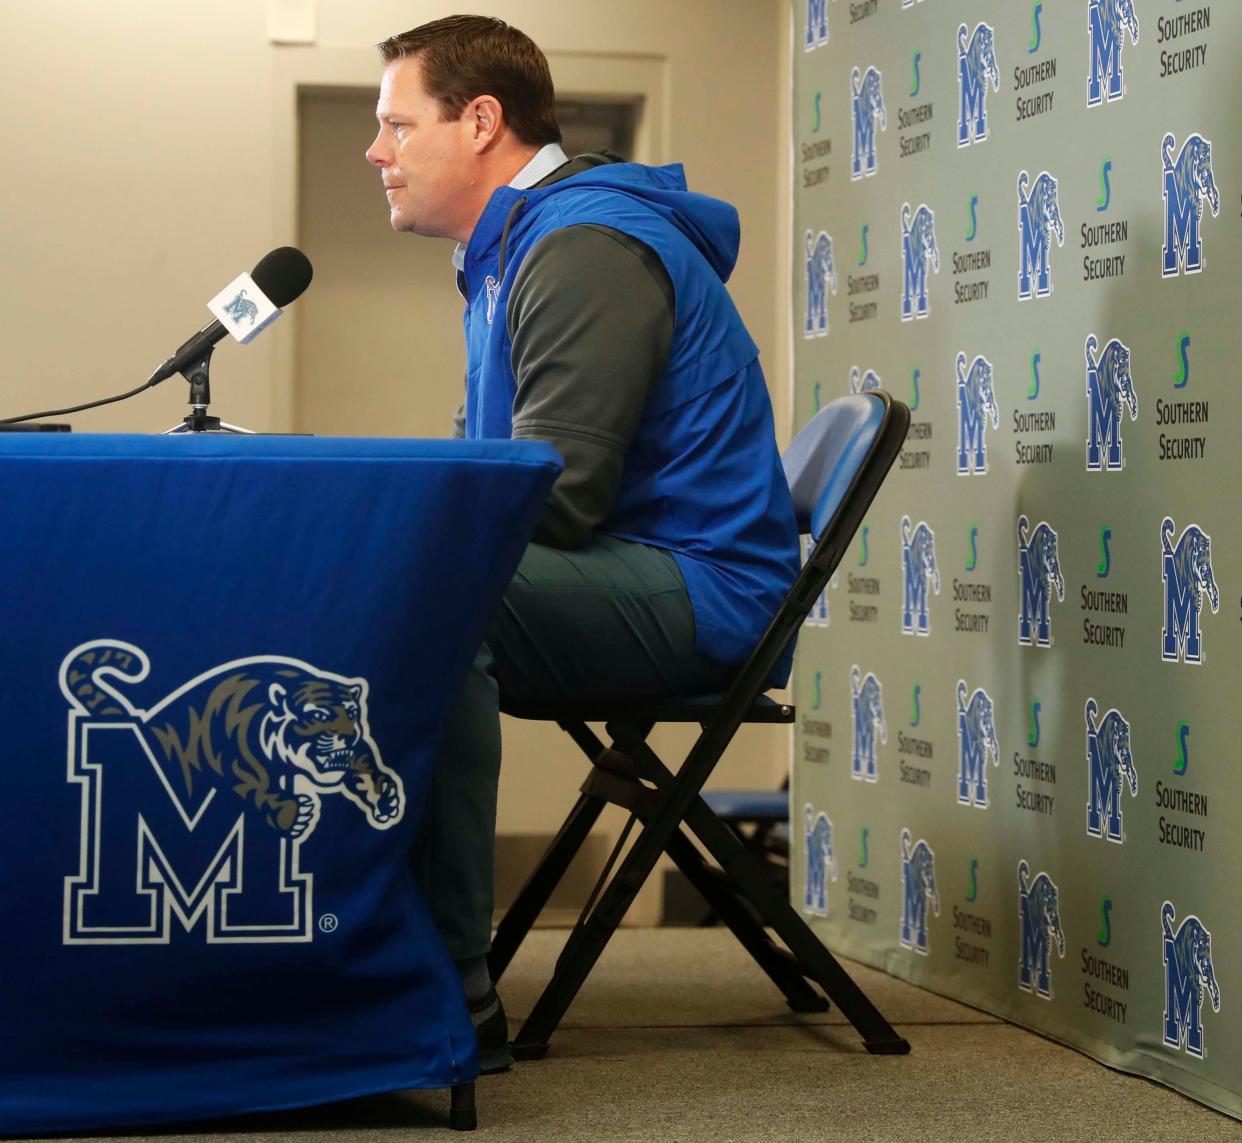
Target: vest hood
point(709, 223)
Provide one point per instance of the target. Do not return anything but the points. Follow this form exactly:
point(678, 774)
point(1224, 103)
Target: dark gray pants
point(611, 620)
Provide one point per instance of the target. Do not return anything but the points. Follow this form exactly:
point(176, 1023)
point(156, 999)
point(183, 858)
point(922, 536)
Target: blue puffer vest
point(702, 478)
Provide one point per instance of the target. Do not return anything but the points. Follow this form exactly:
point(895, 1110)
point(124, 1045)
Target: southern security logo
point(867, 710)
point(1039, 572)
point(861, 382)
point(866, 110)
point(1039, 218)
point(919, 570)
point(821, 276)
point(1039, 917)
point(1188, 180)
point(215, 789)
point(1182, 762)
point(821, 861)
point(976, 70)
point(918, 251)
point(918, 882)
point(976, 743)
point(1108, 22)
point(1183, 356)
point(1110, 394)
point(1186, 571)
point(1106, 187)
point(976, 405)
point(1110, 770)
point(816, 24)
point(1188, 974)
point(1104, 567)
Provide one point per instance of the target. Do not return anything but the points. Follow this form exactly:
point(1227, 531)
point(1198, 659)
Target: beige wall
point(156, 154)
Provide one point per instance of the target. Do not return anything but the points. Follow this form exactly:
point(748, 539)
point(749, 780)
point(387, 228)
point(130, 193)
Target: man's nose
point(378, 152)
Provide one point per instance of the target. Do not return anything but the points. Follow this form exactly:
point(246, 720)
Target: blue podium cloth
point(224, 667)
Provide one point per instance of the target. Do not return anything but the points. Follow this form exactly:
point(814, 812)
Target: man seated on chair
point(596, 318)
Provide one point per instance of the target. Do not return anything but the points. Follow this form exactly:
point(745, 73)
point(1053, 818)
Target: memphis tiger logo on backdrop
point(1110, 771)
point(1188, 974)
point(820, 614)
point(1188, 579)
point(821, 277)
point(1039, 573)
point(867, 713)
point(817, 34)
point(1188, 181)
point(918, 891)
point(1039, 218)
point(976, 743)
point(1039, 921)
point(1110, 394)
point(976, 406)
point(919, 571)
point(864, 381)
point(866, 112)
point(976, 71)
point(821, 860)
point(918, 251)
point(224, 783)
point(1108, 23)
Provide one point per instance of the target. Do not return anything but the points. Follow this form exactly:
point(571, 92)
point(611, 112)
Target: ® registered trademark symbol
point(328, 923)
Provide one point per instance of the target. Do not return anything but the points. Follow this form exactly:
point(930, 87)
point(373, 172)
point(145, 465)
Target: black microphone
point(280, 277)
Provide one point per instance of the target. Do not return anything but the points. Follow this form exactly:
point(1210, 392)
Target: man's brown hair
point(463, 57)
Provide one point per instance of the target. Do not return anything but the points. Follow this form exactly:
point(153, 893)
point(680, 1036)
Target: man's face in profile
point(424, 160)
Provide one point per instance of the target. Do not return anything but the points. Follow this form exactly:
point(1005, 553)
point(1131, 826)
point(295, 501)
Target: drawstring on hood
point(504, 235)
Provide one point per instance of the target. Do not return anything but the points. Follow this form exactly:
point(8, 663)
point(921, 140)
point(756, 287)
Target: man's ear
point(486, 119)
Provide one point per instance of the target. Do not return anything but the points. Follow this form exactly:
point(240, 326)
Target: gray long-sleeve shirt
point(590, 317)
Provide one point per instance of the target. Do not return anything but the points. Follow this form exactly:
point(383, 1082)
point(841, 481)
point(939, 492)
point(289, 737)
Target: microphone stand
point(198, 421)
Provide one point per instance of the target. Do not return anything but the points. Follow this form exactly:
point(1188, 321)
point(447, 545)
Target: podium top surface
point(198, 446)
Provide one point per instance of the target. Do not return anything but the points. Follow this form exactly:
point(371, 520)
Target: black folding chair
point(835, 466)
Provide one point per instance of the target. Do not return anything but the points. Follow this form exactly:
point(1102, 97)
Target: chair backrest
point(821, 462)
point(834, 467)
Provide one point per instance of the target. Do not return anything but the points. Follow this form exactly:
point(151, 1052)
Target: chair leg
point(541, 884)
point(816, 961)
point(781, 968)
point(775, 910)
point(587, 941)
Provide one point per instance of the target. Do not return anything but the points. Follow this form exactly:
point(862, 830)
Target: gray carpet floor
point(677, 1036)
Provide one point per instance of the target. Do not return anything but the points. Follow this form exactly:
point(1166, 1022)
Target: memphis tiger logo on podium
point(198, 807)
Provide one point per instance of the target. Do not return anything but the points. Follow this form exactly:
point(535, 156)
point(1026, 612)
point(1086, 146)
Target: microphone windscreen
point(283, 275)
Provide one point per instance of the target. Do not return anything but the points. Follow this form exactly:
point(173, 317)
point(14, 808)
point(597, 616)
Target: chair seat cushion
point(694, 708)
point(749, 805)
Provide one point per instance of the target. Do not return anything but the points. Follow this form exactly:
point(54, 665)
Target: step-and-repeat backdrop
point(1017, 770)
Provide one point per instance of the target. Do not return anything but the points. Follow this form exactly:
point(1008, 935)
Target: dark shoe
point(491, 1027)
